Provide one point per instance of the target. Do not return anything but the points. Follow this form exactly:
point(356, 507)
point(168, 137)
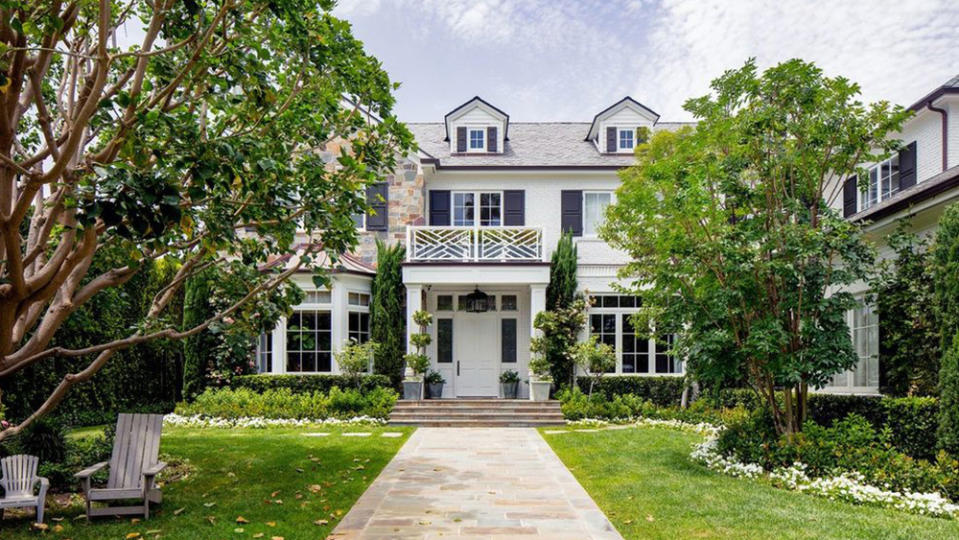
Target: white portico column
point(537, 303)
point(414, 302)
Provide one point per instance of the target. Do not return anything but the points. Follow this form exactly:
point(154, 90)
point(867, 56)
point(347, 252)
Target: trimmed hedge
point(306, 384)
point(286, 403)
point(661, 391)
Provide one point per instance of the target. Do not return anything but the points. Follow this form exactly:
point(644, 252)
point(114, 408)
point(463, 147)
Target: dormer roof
point(625, 103)
point(476, 102)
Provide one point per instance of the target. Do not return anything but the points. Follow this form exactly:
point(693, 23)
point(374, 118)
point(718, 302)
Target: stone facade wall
point(406, 206)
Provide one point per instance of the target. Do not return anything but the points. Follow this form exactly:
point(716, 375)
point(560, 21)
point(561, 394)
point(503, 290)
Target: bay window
point(308, 341)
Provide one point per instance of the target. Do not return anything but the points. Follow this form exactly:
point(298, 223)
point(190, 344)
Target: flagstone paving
point(477, 483)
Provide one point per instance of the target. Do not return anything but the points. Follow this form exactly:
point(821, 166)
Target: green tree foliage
point(224, 134)
point(198, 349)
point(387, 312)
point(145, 377)
point(909, 347)
point(948, 432)
point(946, 260)
point(562, 274)
point(733, 237)
point(559, 332)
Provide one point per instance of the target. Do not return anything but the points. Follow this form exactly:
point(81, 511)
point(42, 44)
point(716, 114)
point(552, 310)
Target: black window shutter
point(439, 207)
point(849, 192)
point(491, 139)
point(611, 139)
point(514, 207)
point(571, 212)
point(377, 197)
point(907, 166)
point(461, 139)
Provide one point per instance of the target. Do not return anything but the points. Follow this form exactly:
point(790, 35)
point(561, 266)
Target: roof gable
point(625, 103)
point(474, 103)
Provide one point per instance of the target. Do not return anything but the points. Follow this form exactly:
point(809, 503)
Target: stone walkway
point(489, 483)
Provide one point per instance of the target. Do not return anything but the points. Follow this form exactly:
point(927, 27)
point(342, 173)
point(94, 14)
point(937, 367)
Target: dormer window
point(477, 140)
point(626, 139)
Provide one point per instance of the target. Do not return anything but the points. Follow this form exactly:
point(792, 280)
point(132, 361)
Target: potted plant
point(509, 383)
point(434, 384)
point(417, 363)
point(540, 380)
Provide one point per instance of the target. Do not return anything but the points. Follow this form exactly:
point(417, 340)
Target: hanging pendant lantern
point(477, 302)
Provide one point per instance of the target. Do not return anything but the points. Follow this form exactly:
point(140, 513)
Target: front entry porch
point(472, 348)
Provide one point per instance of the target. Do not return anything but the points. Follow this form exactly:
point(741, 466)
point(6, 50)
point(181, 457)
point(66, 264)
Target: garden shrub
point(948, 420)
point(576, 405)
point(662, 391)
point(912, 424)
point(309, 383)
point(851, 444)
point(60, 456)
point(284, 403)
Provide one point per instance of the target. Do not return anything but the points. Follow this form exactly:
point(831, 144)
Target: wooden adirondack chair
point(19, 479)
point(133, 467)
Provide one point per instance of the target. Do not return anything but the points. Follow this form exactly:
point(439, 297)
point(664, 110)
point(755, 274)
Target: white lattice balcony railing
point(474, 244)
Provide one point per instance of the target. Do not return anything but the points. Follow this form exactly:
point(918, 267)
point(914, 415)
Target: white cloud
point(567, 59)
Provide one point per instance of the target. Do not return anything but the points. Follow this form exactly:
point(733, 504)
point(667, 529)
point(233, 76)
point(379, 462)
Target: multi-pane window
point(508, 302)
point(491, 209)
point(635, 348)
point(308, 341)
point(611, 321)
point(883, 183)
point(317, 297)
point(477, 139)
point(626, 139)
point(864, 326)
point(594, 210)
point(359, 331)
point(264, 353)
point(358, 299)
point(464, 208)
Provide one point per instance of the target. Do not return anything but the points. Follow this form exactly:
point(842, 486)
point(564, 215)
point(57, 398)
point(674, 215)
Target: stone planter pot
point(539, 390)
point(412, 389)
point(509, 389)
point(436, 390)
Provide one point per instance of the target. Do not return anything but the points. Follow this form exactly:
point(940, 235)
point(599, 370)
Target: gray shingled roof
point(530, 144)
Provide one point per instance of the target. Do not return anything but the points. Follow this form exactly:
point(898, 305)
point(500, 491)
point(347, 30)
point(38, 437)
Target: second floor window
point(477, 139)
point(594, 210)
point(626, 137)
point(490, 208)
point(883, 183)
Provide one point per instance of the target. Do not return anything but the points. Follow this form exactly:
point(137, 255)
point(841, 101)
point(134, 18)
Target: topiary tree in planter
point(417, 363)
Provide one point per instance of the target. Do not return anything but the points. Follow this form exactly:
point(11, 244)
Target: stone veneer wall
point(406, 204)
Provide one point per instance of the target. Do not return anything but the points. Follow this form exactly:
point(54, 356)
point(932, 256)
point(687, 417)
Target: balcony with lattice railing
point(474, 244)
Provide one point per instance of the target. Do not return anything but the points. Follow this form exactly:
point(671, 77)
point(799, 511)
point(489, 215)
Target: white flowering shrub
point(258, 422)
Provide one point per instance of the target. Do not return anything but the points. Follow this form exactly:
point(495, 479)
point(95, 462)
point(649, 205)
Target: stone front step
point(477, 413)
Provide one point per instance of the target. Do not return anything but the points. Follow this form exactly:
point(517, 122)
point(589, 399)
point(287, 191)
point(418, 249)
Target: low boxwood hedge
point(661, 391)
point(309, 383)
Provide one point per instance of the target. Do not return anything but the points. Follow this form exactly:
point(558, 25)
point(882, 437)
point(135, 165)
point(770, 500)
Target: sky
point(566, 60)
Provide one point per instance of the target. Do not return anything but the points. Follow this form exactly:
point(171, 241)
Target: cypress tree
point(562, 274)
point(387, 312)
point(946, 256)
point(948, 433)
point(198, 348)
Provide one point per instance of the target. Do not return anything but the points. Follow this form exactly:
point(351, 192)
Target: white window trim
point(286, 350)
point(469, 139)
point(619, 311)
point(612, 200)
point(619, 139)
point(477, 196)
point(863, 196)
point(850, 387)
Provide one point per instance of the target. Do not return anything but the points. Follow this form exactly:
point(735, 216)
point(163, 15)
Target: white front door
point(476, 354)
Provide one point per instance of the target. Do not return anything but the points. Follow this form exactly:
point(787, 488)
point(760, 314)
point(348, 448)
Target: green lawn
point(263, 475)
point(645, 482)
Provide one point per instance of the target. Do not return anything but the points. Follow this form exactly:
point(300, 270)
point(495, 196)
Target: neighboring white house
point(484, 202)
point(917, 184)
